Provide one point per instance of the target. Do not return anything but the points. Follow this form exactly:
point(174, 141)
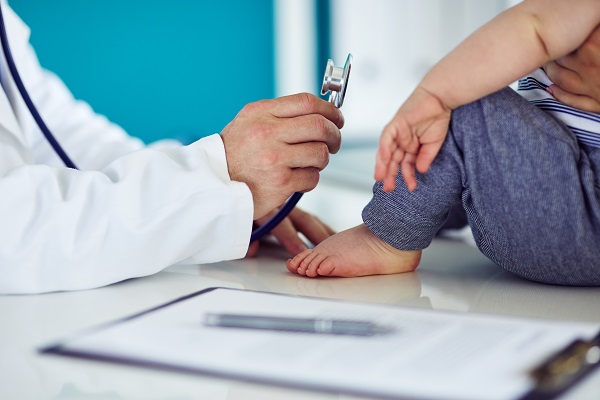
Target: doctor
point(132, 210)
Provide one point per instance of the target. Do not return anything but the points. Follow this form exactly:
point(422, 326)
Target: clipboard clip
point(567, 366)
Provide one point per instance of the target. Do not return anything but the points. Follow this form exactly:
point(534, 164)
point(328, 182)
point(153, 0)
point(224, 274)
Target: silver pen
point(306, 325)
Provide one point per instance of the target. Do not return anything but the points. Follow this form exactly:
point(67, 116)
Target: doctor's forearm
point(69, 230)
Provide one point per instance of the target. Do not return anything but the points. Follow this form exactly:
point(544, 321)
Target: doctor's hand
point(278, 147)
point(577, 75)
point(287, 232)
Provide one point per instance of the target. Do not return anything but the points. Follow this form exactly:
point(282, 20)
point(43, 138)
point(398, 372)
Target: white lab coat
point(129, 211)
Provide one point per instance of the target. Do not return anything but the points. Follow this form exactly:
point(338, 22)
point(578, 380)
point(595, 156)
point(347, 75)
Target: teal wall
point(179, 68)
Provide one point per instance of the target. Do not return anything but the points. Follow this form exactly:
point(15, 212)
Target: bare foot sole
point(355, 252)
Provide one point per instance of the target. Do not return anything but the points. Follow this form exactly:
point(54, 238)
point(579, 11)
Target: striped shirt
point(585, 125)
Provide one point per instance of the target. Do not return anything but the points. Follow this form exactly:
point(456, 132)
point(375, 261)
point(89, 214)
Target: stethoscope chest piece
point(336, 81)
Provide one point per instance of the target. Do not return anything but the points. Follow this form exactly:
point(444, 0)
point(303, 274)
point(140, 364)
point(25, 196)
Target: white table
point(452, 276)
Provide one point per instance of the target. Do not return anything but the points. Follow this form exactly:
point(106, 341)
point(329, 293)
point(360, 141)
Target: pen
point(307, 325)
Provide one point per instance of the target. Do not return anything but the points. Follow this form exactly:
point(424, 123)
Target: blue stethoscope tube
point(337, 96)
point(283, 212)
point(34, 112)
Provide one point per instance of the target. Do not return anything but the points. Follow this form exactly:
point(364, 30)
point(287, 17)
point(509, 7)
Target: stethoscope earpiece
point(335, 81)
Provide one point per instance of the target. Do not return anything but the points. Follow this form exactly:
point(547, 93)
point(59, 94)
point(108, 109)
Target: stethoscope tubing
point(283, 212)
point(25, 95)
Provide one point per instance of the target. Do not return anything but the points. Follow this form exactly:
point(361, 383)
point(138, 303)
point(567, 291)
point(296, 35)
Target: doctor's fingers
point(300, 104)
point(304, 155)
point(311, 128)
point(287, 235)
point(287, 232)
point(301, 180)
point(310, 226)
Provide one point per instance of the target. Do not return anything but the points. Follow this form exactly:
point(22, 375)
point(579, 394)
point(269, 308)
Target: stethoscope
point(334, 81)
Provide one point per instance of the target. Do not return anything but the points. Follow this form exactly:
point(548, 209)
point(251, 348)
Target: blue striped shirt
point(585, 125)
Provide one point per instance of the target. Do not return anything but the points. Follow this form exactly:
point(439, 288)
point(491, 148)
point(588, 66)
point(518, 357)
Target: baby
point(526, 169)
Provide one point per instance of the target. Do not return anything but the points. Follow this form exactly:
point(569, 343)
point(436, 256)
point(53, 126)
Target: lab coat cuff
point(242, 212)
point(215, 150)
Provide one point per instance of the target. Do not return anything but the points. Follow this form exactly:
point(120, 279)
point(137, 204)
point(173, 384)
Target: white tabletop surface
point(452, 276)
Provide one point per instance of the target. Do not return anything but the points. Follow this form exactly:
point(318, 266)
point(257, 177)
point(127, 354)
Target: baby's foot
point(355, 252)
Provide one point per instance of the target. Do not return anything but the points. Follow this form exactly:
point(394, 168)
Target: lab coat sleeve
point(65, 229)
point(129, 212)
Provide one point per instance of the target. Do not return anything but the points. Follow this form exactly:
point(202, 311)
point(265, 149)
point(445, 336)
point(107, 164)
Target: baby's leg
point(530, 191)
point(398, 225)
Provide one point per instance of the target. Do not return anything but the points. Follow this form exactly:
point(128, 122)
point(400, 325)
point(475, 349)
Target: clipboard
point(430, 355)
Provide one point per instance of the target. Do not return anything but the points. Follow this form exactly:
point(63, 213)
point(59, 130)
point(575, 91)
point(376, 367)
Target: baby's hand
point(414, 136)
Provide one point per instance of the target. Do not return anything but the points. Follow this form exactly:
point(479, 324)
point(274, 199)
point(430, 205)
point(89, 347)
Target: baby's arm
point(510, 46)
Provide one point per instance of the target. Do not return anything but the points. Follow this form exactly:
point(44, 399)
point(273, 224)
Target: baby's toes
point(326, 267)
point(313, 267)
point(303, 267)
point(294, 263)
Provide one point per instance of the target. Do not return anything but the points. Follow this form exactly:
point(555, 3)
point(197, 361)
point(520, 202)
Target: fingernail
point(549, 90)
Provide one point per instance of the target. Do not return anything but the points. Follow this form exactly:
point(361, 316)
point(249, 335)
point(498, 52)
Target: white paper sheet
point(429, 355)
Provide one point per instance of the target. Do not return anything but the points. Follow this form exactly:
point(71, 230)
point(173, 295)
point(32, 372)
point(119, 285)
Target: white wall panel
point(394, 43)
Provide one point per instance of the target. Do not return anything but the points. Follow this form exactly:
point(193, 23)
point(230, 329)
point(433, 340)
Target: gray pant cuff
point(399, 226)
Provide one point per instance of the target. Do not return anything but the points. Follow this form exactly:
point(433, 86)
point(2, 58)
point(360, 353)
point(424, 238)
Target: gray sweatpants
point(531, 193)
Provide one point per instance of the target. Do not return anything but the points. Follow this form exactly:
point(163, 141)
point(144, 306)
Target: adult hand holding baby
point(576, 76)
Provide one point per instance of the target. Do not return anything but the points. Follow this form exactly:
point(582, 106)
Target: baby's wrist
point(429, 93)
